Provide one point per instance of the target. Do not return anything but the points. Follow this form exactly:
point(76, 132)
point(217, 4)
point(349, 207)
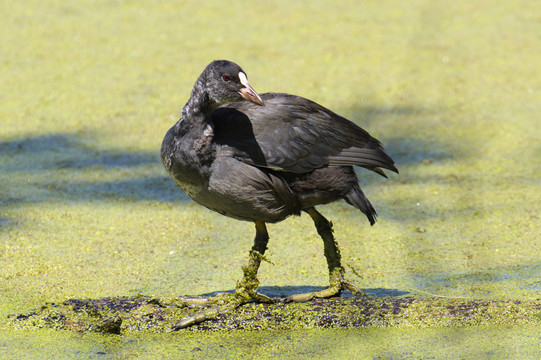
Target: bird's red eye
point(226, 77)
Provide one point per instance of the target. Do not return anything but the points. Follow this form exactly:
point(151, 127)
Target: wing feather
point(293, 134)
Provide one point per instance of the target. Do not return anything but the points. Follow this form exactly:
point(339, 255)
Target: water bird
point(263, 158)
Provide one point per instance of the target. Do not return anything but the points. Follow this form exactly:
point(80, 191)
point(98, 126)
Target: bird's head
point(226, 82)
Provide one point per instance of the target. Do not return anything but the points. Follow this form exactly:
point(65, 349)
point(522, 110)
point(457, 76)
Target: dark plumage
point(265, 163)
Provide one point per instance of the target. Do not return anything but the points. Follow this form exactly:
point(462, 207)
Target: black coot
point(264, 158)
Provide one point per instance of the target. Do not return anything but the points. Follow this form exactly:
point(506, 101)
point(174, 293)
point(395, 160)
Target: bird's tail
point(356, 198)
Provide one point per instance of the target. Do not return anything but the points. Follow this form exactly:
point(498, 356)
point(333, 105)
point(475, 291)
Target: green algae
point(367, 343)
point(87, 212)
point(155, 315)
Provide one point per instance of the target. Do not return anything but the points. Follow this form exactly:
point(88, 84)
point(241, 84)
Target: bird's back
point(294, 134)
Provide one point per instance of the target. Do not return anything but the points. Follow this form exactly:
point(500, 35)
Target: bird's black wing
point(293, 134)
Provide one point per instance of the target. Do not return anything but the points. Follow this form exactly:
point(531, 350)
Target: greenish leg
point(246, 288)
point(332, 254)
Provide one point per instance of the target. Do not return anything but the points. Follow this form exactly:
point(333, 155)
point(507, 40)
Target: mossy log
point(129, 314)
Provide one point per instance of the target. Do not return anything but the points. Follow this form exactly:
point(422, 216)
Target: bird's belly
point(235, 189)
point(245, 192)
point(224, 203)
point(240, 208)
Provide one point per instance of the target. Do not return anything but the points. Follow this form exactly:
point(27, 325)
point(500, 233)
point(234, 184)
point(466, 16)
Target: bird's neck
point(199, 105)
point(196, 114)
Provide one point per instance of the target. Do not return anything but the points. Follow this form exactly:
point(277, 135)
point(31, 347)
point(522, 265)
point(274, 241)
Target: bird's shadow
point(285, 291)
point(71, 168)
point(403, 143)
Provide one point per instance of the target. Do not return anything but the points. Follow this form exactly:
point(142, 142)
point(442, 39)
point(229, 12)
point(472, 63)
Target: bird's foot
point(337, 285)
point(214, 307)
point(245, 291)
point(221, 304)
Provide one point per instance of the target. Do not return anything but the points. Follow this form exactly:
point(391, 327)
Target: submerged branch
point(128, 314)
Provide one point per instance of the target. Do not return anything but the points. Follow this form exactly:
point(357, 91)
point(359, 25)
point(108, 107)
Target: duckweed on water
point(87, 211)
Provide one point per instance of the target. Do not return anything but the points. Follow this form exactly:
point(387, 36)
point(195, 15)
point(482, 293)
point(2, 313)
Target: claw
point(326, 293)
point(338, 284)
point(196, 301)
point(224, 304)
point(195, 319)
point(352, 288)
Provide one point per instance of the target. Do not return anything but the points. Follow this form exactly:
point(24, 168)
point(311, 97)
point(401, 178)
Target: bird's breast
point(187, 159)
